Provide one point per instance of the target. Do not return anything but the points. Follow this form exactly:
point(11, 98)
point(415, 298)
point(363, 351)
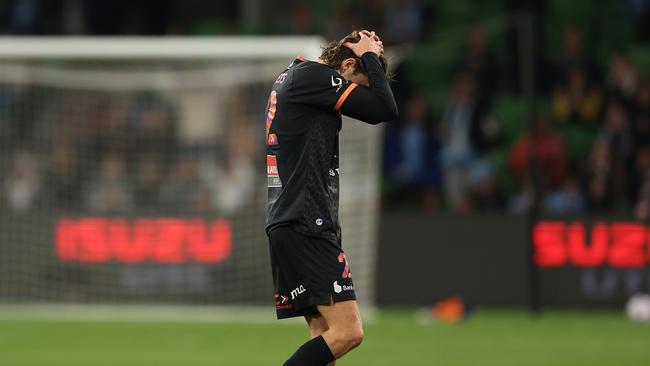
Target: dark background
point(482, 147)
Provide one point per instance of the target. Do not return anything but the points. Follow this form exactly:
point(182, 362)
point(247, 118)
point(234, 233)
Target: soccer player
point(311, 273)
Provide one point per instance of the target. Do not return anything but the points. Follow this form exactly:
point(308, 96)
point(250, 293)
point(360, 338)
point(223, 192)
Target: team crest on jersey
point(272, 172)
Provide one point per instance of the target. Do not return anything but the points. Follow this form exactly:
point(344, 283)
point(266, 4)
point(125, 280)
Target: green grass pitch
point(491, 337)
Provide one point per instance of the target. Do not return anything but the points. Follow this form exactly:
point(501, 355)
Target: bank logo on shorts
point(338, 288)
point(272, 172)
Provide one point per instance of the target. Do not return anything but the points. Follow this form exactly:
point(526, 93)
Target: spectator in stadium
point(478, 60)
point(640, 169)
point(616, 130)
point(640, 112)
point(577, 91)
point(180, 189)
point(640, 11)
point(109, 191)
point(302, 20)
point(340, 22)
point(114, 134)
point(231, 180)
point(19, 115)
point(372, 14)
point(460, 158)
point(25, 17)
point(616, 133)
point(485, 195)
point(622, 80)
point(642, 206)
point(566, 200)
point(521, 202)
point(576, 57)
point(232, 186)
point(63, 177)
point(576, 100)
point(149, 174)
point(413, 139)
point(155, 130)
point(599, 177)
point(549, 154)
point(412, 155)
point(403, 22)
point(22, 186)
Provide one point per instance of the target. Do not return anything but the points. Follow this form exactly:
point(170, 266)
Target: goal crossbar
point(168, 48)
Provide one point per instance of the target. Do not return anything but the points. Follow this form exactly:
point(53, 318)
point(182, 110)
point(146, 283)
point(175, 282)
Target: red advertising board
point(614, 244)
point(161, 240)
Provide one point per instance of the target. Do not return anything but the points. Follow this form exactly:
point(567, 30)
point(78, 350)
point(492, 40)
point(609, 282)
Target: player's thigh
point(342, 316)
point(317, 325)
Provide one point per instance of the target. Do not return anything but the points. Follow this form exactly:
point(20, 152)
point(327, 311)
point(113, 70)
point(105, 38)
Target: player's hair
point(335, 53)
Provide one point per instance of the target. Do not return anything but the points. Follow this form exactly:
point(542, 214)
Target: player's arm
point(375, 103)
point(318, 85)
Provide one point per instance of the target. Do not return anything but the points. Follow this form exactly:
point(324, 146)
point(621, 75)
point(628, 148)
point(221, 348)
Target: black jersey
point(303, 120)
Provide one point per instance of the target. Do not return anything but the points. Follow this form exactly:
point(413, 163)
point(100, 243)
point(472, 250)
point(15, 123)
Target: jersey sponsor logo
point(337, 82)
point(272, 139)
point(297, 291)
point(272, 172)
point(338, 288)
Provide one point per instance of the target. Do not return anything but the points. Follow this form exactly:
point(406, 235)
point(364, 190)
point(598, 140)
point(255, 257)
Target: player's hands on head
point(369, 42)
point(374, 36)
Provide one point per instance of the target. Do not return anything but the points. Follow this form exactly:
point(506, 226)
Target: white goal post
point(133, 171)
point(166, 48)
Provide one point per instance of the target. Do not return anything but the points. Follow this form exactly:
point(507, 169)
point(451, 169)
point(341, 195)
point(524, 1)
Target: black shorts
point(307, 271)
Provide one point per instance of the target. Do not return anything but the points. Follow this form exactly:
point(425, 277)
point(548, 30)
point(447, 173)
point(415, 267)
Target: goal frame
point(26, 49)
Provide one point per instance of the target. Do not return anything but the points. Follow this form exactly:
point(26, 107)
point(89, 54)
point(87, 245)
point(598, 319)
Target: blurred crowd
point(586, 150)
point(462, 143)
point(402, 20)
point(116, 153)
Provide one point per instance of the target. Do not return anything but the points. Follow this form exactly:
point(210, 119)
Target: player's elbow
point(386, 114)
point(392, 112)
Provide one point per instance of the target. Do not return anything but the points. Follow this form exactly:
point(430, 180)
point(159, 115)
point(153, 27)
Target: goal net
point(133, 171)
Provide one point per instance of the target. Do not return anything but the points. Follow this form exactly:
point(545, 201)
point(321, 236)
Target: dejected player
point(311, 273)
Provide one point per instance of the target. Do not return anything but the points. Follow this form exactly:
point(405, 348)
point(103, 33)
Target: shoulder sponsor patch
point(272, 173)
point(272, 139)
